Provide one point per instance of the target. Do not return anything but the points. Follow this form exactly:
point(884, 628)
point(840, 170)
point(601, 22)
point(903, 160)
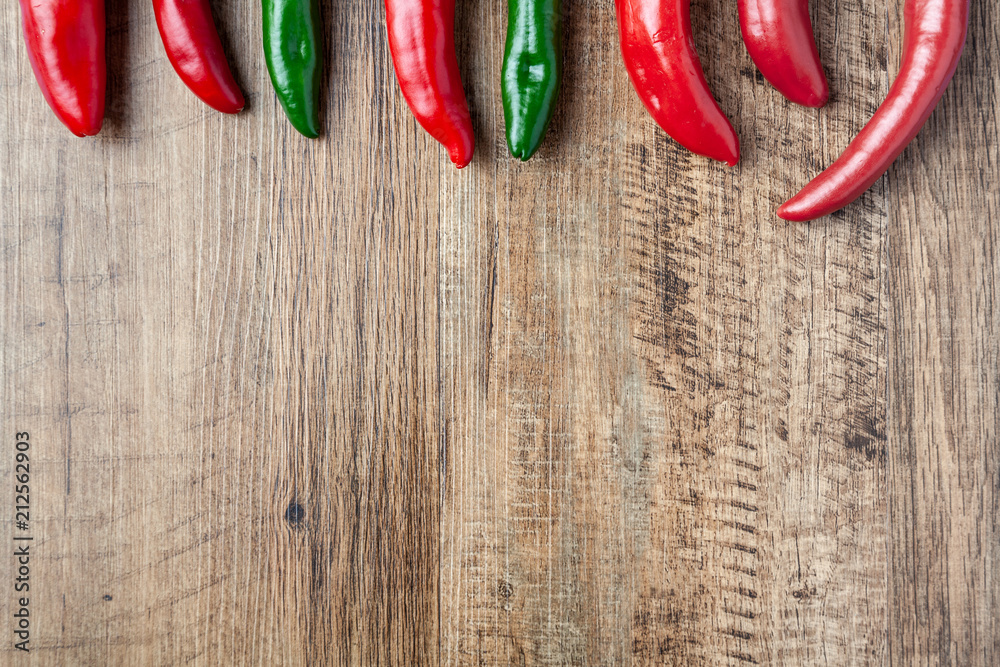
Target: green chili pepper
point(293, 52)
point(532, 70)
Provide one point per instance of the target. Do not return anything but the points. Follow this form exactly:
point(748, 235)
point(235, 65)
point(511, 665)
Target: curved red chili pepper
point(778, 34)
point(422, 42)
point(65, 41)
point(661, 59)
point(195, 50)
point(933, 40)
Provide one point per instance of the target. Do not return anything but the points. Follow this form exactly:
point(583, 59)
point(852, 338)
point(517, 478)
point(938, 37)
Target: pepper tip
point(307, 130)
point(89, 128)
point(521, 150)
point(729, 150)
point(233, 106)
point(815, 99)
point(792, 211)
point(460, 158)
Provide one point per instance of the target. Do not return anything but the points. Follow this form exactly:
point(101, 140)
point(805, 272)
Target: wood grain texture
point(943, 397)
point(222, 338)
point(669, 443)
point(334, 402)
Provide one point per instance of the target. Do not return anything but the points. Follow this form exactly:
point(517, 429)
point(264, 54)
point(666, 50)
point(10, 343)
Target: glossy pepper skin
point(422, 41)
point(778, 34)
point(293, 51)
point(65, 42)
point(933, 39)
point(660, 56)
point(195, 50)
point(532, 72)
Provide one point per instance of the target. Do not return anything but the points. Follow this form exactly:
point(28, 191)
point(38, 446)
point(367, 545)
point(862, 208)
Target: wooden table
point(335, 402)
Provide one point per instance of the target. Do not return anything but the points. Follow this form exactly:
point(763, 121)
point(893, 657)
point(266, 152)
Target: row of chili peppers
point(65, 40)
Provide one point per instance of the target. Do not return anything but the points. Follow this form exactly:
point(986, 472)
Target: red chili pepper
point(65, 40)
point(779, 37)
point(933, 40)
point(422, 41)
point(195, 50)
point(659, 54)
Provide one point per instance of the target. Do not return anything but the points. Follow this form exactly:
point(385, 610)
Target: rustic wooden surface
point(334, 402)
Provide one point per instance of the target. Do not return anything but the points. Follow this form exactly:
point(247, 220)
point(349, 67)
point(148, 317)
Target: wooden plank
point(663, 408)
point(222, 339)
point(334, 402)
point(944, 460)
